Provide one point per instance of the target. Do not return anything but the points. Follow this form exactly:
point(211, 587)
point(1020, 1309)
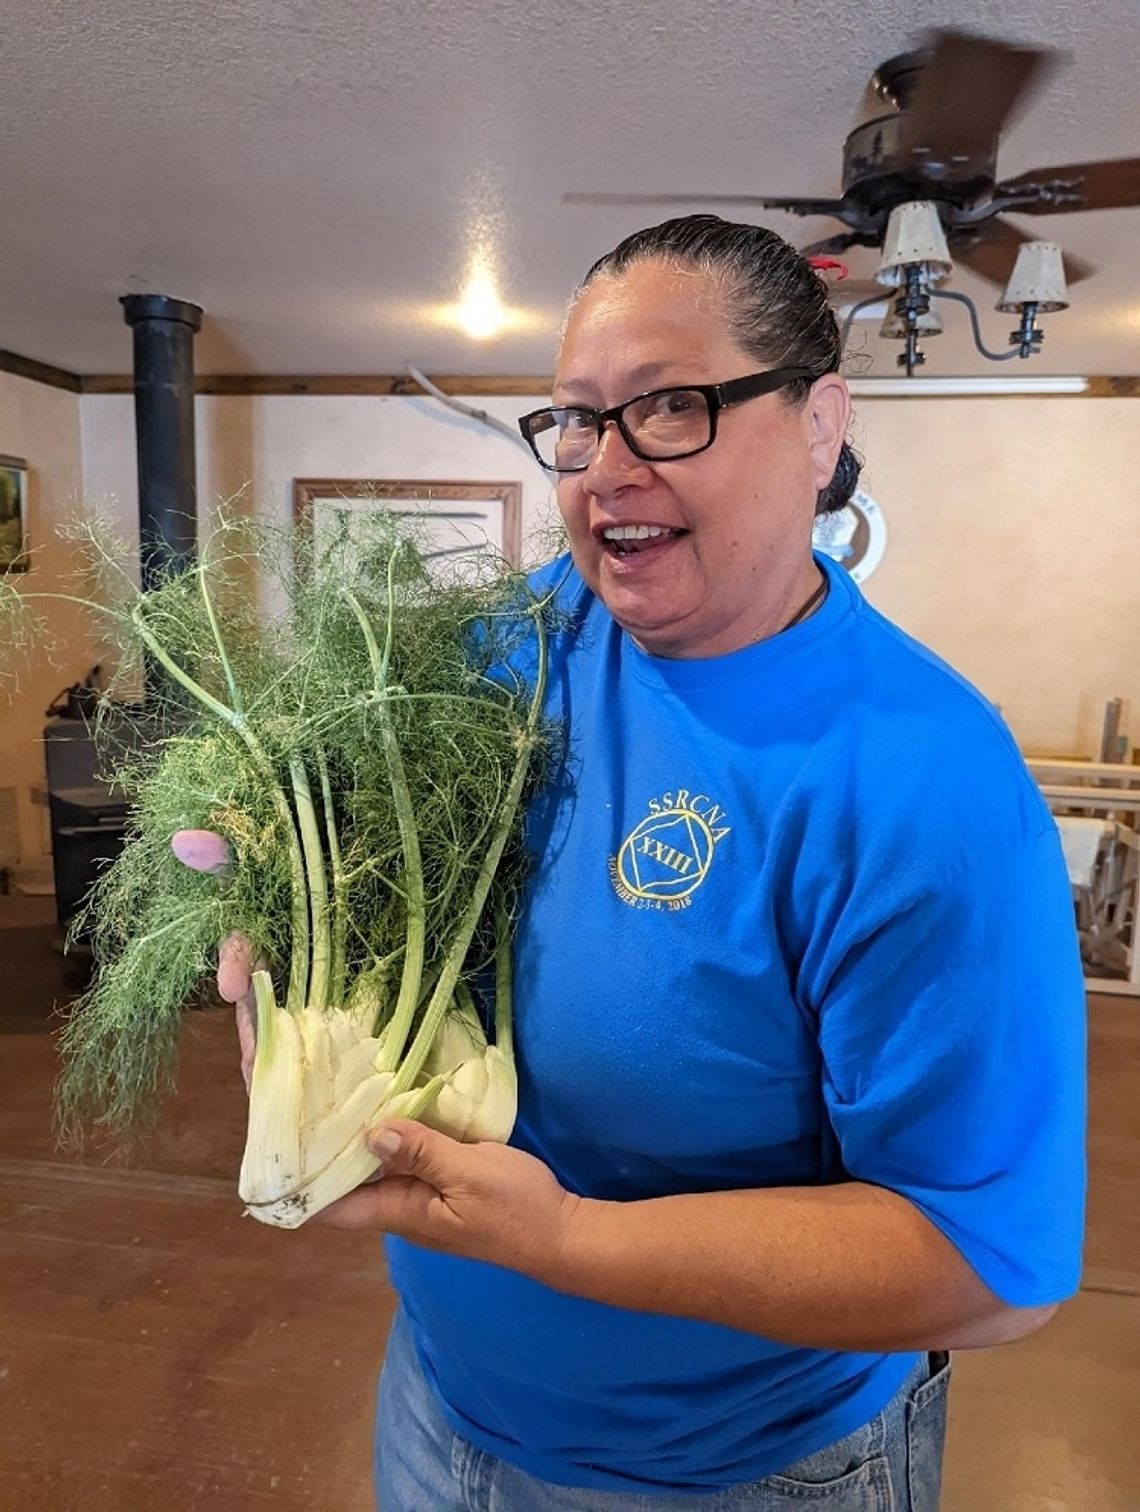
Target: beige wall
point(1012, 540)
point(1013, 550)
point(41, 425)
point(267, 442)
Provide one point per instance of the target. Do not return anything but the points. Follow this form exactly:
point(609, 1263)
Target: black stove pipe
point(164, 331)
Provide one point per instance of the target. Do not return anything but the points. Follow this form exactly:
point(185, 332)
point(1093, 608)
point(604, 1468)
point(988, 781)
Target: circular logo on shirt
point(667, 855)
point(854, 536)
point(665, 858)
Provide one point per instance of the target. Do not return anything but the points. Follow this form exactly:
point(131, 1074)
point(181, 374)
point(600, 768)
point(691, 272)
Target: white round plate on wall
point(854, 536)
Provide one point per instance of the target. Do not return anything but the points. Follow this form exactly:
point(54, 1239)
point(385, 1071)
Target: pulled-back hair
point(774, 302)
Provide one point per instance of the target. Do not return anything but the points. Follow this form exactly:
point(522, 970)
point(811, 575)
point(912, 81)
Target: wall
point(42, 425)
point(1013, 550)
point(1012, 542)
point(265, 443)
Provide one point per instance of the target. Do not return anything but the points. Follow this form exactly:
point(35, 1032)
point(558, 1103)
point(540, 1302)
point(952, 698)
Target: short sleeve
point(954, 1046)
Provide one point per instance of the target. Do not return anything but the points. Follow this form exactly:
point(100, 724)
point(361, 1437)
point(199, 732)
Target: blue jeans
point(891, 1464)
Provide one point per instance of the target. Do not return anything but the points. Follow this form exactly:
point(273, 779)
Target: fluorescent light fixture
point(876, 311)
point(935, 388)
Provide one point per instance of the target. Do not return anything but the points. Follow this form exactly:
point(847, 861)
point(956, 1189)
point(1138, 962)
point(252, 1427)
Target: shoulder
point(510, 653)
point(560, 581)
point(923, 747)
point(575, 615)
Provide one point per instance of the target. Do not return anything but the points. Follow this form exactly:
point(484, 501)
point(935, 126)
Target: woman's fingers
point(206, 851)
point(201, 850)
point(244, 1014)
point(235, 968)
point(236, 965)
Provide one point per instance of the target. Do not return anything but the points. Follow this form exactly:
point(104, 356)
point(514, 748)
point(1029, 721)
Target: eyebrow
point(641, 378)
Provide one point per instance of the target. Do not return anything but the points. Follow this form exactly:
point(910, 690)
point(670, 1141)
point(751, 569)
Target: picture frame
point(462, 517)
point(13, 514)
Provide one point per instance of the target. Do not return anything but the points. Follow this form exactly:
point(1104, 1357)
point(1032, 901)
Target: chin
point(652, 635)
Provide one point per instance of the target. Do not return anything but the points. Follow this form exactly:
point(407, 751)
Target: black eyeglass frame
point(717, 396)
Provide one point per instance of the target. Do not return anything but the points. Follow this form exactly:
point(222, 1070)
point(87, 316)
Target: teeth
point(633, 532)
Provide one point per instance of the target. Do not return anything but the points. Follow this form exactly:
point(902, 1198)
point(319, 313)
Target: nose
point(613, 463)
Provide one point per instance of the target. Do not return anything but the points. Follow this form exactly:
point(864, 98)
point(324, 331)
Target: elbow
point(1001, 1325)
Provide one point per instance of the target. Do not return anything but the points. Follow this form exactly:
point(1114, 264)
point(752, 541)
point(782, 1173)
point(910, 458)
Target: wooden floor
point(159, 1353)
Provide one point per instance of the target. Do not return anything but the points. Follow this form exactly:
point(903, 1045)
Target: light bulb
point(480, 312)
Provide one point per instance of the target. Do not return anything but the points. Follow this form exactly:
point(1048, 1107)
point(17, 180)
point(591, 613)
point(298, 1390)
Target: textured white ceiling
point(315, 175)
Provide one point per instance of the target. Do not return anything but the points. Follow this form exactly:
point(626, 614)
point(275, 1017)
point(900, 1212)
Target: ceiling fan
point(938, 145)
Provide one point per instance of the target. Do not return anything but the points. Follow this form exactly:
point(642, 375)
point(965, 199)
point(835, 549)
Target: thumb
point(407, 1148)
point(201, 850)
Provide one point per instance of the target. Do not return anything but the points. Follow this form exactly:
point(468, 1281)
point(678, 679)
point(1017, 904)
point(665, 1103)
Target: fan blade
point(1113, 184)
point(699, 197)
point(992, 251)
point(967, 92)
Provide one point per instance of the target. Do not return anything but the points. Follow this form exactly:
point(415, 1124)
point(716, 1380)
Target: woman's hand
point(484, 1201)
point(206, 851)
point(235, 970)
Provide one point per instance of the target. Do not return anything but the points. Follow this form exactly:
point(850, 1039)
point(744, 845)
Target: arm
point(842, 1267)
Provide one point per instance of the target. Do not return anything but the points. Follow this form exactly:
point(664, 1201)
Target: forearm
point(841, 1267)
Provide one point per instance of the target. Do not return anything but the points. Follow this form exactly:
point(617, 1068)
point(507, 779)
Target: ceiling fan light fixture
point(914, 235)
point(894, 327)
point(1038, 278)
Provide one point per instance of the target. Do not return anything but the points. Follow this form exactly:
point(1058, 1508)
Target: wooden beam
point(39, 372)
point(508, 386)
point(326, 384)
point(1103, 387)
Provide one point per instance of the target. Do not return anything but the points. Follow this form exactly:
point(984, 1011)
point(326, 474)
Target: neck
point(799, 601)
point(814, 599)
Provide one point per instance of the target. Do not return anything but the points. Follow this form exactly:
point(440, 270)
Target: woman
point(799, 1007)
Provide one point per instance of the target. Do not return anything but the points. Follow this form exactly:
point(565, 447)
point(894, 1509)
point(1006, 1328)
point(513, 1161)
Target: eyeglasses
point(661, 426)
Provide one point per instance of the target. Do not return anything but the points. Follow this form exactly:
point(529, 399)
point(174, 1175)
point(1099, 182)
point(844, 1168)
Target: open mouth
point(637, 540)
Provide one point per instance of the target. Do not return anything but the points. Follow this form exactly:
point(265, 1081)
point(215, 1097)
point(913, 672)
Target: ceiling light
point(914, 236)
point(916, 388)
point(481, 312)
point(1038, 278)
point(915, 258)
point(894, 326)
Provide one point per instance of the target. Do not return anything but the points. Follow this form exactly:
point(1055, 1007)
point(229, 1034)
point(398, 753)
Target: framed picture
point(459, 519)
point(13, 514)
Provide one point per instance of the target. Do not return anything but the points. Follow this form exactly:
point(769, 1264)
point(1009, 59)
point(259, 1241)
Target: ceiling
point(318, 176)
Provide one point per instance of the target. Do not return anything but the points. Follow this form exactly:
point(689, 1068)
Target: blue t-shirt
point(799, 915)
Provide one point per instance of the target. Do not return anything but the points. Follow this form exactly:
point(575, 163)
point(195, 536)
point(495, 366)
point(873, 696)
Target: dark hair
point(775, 302)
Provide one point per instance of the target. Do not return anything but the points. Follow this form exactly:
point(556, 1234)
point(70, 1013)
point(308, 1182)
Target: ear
point(829, 414)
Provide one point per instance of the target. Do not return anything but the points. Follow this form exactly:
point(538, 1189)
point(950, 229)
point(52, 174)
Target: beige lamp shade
point(914, 235)
point(894, 326)
point(1038, 278)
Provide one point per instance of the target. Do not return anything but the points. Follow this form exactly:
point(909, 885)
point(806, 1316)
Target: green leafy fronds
point(363, 730)
point(155, 937)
